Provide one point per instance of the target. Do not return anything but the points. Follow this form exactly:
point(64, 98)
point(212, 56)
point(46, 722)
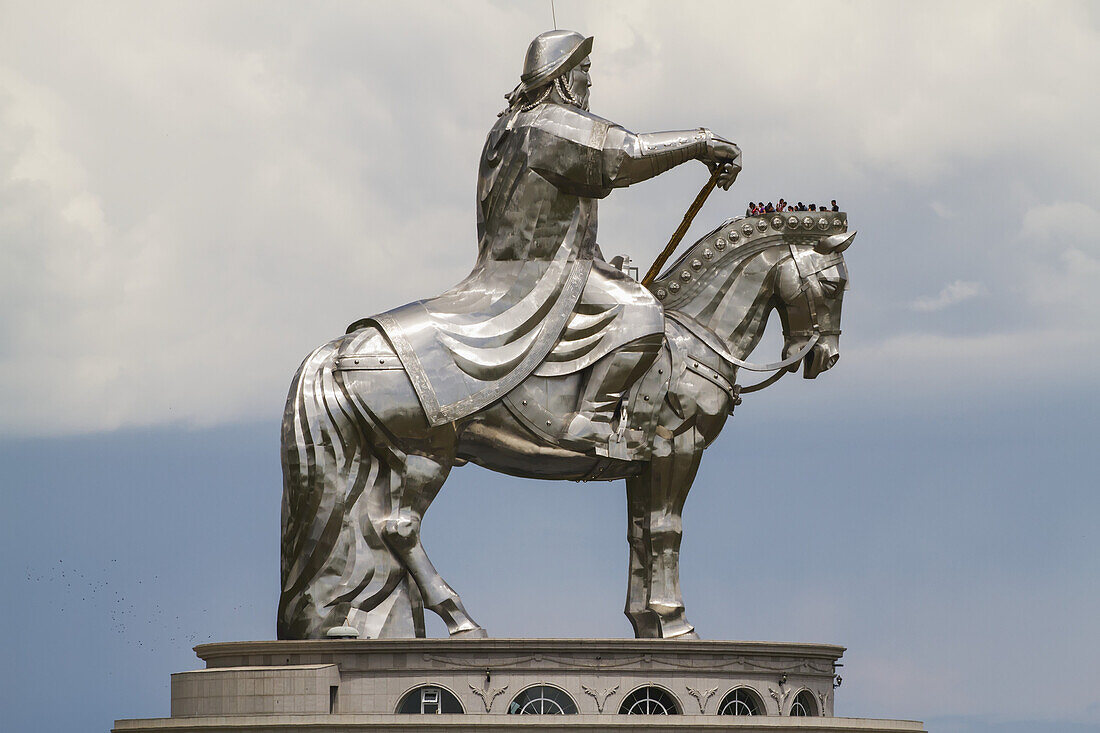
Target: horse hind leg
point(336, 568)
point(422, 478)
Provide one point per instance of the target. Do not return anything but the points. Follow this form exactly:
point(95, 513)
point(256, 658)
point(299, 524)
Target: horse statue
point(361, 463)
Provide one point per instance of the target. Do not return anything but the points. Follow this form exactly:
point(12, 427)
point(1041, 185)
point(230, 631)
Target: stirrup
point(582, 427)
point(624, 445)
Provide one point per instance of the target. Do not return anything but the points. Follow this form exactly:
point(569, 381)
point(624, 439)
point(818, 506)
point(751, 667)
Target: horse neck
point(737, 306)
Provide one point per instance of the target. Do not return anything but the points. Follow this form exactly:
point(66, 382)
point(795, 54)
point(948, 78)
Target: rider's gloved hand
point(725, 154)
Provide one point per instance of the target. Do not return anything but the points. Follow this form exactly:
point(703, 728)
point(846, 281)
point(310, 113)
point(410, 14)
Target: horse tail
point(340, 474)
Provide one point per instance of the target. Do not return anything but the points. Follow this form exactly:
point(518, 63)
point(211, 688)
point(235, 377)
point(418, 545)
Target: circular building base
point(504, 684)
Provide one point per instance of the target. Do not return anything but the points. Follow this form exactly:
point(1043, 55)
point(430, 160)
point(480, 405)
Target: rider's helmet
point(550, 55)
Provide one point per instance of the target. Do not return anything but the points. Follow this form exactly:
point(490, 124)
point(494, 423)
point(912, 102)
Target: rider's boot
point(610, 377)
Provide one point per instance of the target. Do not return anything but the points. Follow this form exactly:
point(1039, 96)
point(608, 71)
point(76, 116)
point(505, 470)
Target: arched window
point(429, 700)
point(649, 701)
point(804, 704)
point(741, 701)
point(542, 700)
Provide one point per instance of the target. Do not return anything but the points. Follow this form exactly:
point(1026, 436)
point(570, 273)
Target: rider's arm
point(588, 156)
point(638, 157)
point(567, 147)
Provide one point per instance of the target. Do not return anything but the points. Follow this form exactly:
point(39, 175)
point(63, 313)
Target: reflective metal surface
point(546, 362)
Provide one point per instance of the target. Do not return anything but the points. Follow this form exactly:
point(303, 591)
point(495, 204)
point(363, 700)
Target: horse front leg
point(644, 621)
point(423, 478)
point(660, 492)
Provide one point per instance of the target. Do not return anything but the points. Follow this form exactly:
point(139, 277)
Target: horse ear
point(835, 244)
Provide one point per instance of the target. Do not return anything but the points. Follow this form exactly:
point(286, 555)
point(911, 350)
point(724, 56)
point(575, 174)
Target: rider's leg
point(640, 317)
point(608, 379)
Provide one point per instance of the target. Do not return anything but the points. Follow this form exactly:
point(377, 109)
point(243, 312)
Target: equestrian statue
point(545, 362)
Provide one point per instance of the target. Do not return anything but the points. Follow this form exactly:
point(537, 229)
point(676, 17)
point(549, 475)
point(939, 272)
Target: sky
point(195, 195)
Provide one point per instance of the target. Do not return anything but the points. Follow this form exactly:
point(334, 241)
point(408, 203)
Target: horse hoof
point(686, 636)
point(474, 633)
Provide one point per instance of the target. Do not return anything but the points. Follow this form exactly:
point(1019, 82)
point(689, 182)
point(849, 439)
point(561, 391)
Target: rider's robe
point(540, 298)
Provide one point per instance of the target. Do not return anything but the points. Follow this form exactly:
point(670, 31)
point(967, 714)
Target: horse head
point(810, 284)
point(726, 285)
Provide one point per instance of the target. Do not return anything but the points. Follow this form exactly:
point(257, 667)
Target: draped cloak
point(540, 299)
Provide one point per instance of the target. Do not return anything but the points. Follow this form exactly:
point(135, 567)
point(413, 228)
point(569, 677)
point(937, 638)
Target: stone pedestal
point(505, 684)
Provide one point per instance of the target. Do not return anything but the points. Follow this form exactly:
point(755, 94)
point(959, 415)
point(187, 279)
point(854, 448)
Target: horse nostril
point(833, 360)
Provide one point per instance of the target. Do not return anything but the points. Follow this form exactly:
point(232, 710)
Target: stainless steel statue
point(546, 361)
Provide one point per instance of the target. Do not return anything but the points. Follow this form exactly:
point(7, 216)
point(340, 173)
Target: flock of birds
point(135, 620)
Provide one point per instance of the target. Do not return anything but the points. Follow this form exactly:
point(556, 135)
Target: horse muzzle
point(824, 355)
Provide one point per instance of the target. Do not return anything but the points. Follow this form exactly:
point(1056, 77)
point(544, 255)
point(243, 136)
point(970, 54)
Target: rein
point(815, 331)
point(779, 367)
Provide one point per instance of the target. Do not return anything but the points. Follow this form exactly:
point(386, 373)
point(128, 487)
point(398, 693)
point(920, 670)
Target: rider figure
point(545, 164)
point(541, 299)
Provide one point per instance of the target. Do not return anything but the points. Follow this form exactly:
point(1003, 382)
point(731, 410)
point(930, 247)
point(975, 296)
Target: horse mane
point(731, 296)
point(723, 287)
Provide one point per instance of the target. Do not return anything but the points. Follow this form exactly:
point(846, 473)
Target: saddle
point(545, 405)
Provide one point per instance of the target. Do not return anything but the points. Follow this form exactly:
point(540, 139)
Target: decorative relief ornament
point(702, 697)
point(600, 697)
point(488, 695)
point(780, 696)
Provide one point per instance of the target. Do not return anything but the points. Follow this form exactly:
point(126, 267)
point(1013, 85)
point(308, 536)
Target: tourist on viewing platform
point(782, 205)
point(801, 206)
point(835, 207)
point(813, 207)
point(769, 208)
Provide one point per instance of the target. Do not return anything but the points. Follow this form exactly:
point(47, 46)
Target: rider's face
point(581, 82)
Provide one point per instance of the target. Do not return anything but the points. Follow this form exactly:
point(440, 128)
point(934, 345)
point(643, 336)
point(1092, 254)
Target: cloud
point(1061, 221)
point(193, 196)
point(950, 295)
